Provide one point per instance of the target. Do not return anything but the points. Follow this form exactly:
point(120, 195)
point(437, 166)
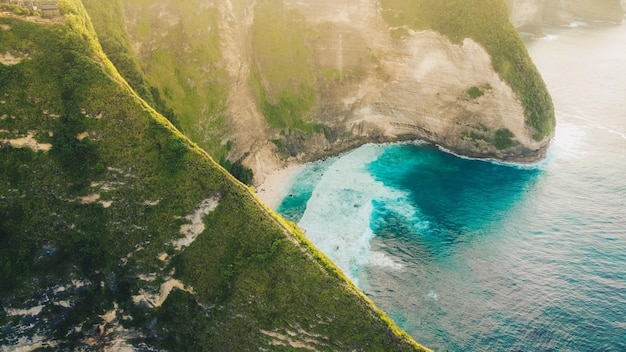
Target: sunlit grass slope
point(180, 64)
point(89, 225)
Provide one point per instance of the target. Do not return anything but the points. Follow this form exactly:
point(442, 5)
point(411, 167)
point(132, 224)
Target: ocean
point(470, 255)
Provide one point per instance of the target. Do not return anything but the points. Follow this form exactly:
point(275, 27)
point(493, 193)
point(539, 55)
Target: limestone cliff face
point(414, 87)
point(531, 15)
point(370, 85)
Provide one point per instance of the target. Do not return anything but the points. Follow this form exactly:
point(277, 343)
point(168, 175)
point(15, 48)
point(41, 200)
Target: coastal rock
point(371, 82)
point(415, 87)
point(527, 15)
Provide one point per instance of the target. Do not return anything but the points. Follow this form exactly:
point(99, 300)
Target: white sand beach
point(276, 185)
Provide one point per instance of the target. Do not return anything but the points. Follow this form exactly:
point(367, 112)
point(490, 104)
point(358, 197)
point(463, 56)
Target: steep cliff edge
point(282, 80)
point(413, 82)
point(119, 233)
point(531, 15)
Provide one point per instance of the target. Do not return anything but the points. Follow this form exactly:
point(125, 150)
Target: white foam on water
point(577, 24)
point(338, 214)
point(379, 259)
point(569, 140)
point(595, 124)
point(550, 37)
point(517, 165)
point(432, 295)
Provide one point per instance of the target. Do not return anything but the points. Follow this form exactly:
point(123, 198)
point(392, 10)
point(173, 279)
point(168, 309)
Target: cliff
point(270, 81)
point(531, 15)
point(117, 232)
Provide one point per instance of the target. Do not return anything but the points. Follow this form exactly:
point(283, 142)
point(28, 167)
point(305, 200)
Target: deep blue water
point(475, 255)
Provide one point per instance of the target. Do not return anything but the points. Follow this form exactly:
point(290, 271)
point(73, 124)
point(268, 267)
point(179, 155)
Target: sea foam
point(339, 213)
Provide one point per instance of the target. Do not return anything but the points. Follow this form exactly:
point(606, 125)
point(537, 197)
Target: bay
point(475, 255)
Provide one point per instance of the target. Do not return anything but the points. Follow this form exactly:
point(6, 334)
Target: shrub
point(238, 170)
point(504, 139)
point(475, 92)
point(16, 9)
point(174, 153)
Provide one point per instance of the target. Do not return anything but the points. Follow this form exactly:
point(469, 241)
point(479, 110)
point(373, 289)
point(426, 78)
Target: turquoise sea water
point(473, 255)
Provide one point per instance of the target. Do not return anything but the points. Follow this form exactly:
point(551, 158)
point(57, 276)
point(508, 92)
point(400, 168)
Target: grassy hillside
point(108, 18)
point(92, 209)
point(177, 81)
point(183, 61)
point(283, 76)
point(179, 58)
point(485, 21)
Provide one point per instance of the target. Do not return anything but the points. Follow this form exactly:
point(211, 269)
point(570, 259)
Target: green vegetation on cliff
point(283, 79)
point(108, 20)
point(199, 99)
point(92, 209)
point(178, 56)
point(485, 21)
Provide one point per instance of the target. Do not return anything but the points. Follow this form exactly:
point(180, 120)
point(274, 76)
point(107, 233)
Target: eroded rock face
point(527, 15)
point(531, 15)
point(372, 85)
point(414, 87)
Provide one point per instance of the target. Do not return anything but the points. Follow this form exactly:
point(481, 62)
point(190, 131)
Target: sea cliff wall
point(294, 81)
point(412, 87)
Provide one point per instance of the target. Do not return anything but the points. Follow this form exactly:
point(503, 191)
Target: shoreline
point(276, 185)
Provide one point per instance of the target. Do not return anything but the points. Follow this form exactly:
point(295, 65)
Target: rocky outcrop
point(372, 83)
point(531, 15)
point(415, 87)
point(527, 15)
